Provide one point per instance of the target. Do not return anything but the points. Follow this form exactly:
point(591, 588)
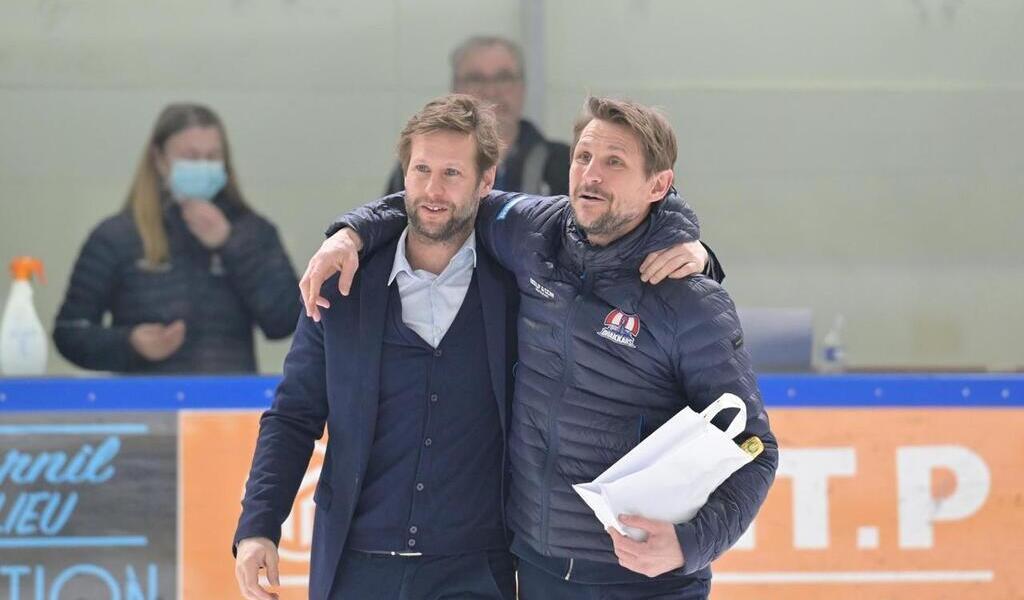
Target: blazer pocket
point(322, 496)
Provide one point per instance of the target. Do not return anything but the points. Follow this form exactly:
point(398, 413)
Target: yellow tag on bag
point(753, 446)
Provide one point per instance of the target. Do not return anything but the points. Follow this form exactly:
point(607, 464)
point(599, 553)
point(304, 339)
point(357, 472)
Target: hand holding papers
point(669, 475)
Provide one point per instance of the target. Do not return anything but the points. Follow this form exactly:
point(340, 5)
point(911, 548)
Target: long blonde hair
point(144, 197)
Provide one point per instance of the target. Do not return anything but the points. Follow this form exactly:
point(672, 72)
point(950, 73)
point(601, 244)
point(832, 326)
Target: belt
point(386, 553)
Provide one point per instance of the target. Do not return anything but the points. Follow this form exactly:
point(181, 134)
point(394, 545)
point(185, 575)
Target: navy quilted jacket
point(604, 360)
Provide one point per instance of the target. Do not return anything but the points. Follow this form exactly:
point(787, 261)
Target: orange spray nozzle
point(23, 267)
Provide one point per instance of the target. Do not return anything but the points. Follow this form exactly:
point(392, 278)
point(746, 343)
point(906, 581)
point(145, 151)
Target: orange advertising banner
point(877, 503)
point(887, 503)
point(216, 452)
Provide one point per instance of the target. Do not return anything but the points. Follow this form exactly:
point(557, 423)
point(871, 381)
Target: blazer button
point(428, 442)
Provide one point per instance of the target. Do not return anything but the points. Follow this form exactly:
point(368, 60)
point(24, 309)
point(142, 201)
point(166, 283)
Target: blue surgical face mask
point(197, 179)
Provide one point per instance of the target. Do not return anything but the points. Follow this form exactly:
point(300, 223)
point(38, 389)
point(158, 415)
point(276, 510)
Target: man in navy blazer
point(410, 372)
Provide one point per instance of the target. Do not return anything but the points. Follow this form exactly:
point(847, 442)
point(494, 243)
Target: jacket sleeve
point(503, 222)
point(711, 361)
point(78, 332)
point(713, 268)
point(257, 267)
point(377, 222)
point(287, 433)
point(507, 223)
point(674, 203)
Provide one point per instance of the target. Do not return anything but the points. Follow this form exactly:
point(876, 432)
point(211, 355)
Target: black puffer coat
point(220, 295)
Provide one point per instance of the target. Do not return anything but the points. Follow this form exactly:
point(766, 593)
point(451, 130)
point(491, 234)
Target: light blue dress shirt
point(430, 302)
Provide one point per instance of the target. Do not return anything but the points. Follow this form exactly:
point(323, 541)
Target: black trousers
point(488, 575)
point(537, 584)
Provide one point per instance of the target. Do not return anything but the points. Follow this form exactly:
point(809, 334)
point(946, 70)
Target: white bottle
point(833, 352)
point(23, 342)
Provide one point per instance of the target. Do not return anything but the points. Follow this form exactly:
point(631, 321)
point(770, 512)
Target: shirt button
point(419, 488)
point(428, 442)
point(437, 352)
point(412, 543)
point(413, 530)
point(433, 397)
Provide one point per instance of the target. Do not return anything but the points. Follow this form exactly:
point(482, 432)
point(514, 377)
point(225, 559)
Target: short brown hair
point(460, 113)
point(657, 140)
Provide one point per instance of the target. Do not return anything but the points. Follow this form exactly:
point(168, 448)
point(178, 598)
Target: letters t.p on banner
point(886, 503)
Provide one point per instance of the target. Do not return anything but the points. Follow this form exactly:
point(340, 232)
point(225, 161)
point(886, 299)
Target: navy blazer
point(332, 376)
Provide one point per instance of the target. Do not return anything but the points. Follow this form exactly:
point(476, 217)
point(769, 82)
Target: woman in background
point(185, 269)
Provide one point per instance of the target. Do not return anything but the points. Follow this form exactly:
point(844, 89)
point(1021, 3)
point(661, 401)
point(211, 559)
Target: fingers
point(175, 333)
point(272, 569)
point(659, 265)
point(247, 573)
point(657, 262)
point(648, 525)
point(348, 272)
point(627, 545)
point(675, 268)
point(308, 301)
point(676, 262)
point(314, 278)
point(648, 261)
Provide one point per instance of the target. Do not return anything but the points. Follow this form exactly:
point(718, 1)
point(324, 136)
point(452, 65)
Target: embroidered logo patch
point(543, 291)
point(621, 328)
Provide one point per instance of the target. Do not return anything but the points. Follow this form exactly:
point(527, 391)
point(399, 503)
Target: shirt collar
point(467, 252)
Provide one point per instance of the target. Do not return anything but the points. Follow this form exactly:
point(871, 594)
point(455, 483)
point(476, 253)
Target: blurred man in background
point(491, 68)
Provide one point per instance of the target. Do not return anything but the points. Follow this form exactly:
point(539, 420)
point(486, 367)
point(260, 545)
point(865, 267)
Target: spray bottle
point(23, 343)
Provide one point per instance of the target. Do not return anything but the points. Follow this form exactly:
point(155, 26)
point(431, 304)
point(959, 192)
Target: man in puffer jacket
point(605, 359)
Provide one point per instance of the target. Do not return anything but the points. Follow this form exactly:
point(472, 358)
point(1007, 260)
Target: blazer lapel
point(492, 298)
point(373, 303)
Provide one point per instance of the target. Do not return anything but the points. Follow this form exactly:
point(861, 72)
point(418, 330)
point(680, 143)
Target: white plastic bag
point(670, 474)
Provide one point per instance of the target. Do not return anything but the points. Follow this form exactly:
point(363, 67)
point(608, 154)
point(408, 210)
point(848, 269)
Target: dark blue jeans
point(538, 584)
point(476, 576)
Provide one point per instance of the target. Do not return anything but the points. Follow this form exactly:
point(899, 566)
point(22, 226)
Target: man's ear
point(487, 181)
point(660, 182)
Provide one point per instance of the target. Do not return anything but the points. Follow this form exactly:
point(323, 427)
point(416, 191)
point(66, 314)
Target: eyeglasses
point(477, 81)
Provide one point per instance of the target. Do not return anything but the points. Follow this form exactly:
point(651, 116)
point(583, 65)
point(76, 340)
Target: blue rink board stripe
point(137, 541)
point(256, 392)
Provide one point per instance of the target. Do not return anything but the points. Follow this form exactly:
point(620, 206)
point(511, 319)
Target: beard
point(458, 222)
point(608, 223)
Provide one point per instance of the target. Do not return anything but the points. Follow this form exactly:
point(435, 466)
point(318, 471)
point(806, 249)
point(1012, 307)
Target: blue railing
point(256, 392)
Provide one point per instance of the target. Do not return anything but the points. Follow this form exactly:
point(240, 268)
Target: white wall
point(859, 157)
point(856, 157)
